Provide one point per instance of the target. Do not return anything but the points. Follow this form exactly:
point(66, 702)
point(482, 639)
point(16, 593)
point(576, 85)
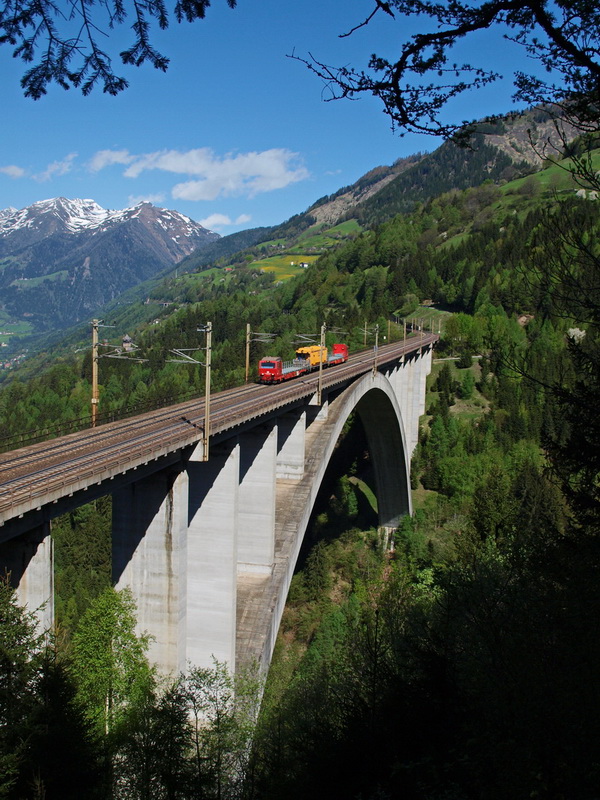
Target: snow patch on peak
point(72, 215)
point(7, 212)
point(76, 216)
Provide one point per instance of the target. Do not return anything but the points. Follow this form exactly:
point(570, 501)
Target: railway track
point(16, 460)
point(63, 465)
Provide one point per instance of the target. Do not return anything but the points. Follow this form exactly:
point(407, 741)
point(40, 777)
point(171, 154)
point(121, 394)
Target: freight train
point(272, 369)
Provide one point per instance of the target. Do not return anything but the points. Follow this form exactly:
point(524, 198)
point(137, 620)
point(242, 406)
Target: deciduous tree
point(223, 710)
point(417, 84)
point(109, 660)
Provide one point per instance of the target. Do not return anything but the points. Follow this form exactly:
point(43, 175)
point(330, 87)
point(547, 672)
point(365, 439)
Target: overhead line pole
point(95, 357)
point(320, 383)
point(95, 323)
point(207, 391)
point(376, 349)
point(247, 351)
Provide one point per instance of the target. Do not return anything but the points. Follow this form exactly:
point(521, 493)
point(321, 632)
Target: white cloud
point(13, 171)
point(216, 222)
point(56, 168)
point(190, 162)
point(134, 200)
point(244, 174)
point(239, 174)
point(106, 158)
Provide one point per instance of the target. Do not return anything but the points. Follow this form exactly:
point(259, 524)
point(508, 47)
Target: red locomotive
point(273, 370)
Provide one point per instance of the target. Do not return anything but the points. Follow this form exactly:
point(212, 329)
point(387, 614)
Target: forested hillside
point(476, 251)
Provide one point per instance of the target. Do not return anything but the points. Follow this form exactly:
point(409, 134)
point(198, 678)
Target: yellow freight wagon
point(312, 354)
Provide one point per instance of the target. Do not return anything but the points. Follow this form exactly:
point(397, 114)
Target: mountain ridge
point(61, 260)
point(73, 254)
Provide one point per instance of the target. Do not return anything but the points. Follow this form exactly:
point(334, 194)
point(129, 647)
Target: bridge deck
point(47, 471)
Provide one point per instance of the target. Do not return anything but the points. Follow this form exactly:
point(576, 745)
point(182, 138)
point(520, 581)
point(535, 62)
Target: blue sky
point(235, 134)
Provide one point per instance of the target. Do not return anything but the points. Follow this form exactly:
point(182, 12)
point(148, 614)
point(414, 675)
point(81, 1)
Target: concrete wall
point(291, 444)
point(212, 553)
point(256, 500)
point(150, 519)
point(28, 561)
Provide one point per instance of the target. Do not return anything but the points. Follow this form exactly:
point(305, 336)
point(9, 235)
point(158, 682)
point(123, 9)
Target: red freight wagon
point(272, 369)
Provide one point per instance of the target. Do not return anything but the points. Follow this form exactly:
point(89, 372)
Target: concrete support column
point(256, 500)
point(407, 405)
point(29, 560)
point(316, 411)
point(212, 557)
point(418, 397)
point(402, 393)
point(424, 370)
point(149, 558)
point(397, 378)
point(426, 358)
point(291, 443)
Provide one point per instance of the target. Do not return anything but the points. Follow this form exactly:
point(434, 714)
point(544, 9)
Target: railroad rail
point(46, 471)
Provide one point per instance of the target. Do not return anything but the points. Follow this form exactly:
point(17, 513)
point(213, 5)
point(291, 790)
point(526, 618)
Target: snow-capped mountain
point(61, 260)
point(50, 216)
point(59, 215)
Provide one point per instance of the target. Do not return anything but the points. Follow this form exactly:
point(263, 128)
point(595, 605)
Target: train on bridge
point(272, 369)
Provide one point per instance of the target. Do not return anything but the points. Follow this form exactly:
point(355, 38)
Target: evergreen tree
point(20, 669)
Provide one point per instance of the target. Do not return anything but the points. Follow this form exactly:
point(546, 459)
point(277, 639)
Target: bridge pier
point(424, 370)
point(256, 500)
point(212, 551)
point(149, 557)
point(28, 559)
point(396, 377)
point(401, 382)
point(406, 394)
point(291, 445)
point(409, 409)
point(409, 382)
point(416, 403)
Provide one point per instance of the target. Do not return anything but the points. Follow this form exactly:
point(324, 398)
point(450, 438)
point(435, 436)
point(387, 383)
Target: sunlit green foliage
point(109, 660)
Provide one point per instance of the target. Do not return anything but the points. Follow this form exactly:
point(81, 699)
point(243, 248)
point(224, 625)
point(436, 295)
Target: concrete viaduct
point(208, 547)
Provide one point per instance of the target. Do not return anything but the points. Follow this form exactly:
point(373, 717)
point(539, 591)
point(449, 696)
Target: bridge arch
point(373, 398)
